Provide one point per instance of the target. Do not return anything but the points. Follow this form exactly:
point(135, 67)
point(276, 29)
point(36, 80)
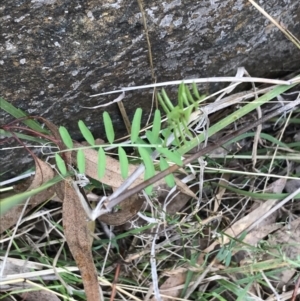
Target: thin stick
point(206, 80)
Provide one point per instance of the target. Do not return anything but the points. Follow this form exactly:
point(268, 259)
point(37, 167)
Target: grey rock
point(54, 54)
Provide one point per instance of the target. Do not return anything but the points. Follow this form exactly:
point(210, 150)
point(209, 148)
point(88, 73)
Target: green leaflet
point(136, 125)
point(81, 161)
point(153, 140)
point(147, 149)
point(165, 102)
point(149, 167)
point(60, 164)
point(86, 133)
point(123, 162)
point(101, 163)
point(170, 180)
point(182, 97)
point(195, 91)
point(156, 124)
point(189, 95)
point(109, 129)
point(172, 156)
point(65, 136)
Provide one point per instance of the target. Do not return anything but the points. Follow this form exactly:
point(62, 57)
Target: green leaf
point(101, 163)
point(65, 136)
point(142, 142)
point(169, 178)
point(153, 140)
point(195, 90)
point(123, 162)
point(167, 100)
point(182, 97)
point(162, 103)
point(156, 124)
point(149, 167)
point(189, 95)
point(60, 164)
point(109, 129)
point(86, 133)
point(136, 125)
point(172, 156)
point(81, 161)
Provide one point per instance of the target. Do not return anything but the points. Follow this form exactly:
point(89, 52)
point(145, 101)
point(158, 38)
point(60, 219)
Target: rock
point(56, 53)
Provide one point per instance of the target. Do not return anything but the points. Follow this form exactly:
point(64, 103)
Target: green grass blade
point(109, 129)
point(101, 163)
point(123, 162)
point(136, 125)
point(7, 203)
point(65, 136)
point(18, 113)
point(60, 164)
point(86, 133)
point(81, 161)
point(38, 140)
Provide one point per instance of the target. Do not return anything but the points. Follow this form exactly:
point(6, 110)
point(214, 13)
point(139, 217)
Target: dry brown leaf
point(182, 187)
point(39, 295)
point(79, 240)
point(43, 174)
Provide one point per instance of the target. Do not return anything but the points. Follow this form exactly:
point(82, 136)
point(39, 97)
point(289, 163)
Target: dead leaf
point(79, 240)
point(39, 295)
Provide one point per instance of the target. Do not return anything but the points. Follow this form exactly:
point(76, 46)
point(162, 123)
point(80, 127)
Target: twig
point(204, 80)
